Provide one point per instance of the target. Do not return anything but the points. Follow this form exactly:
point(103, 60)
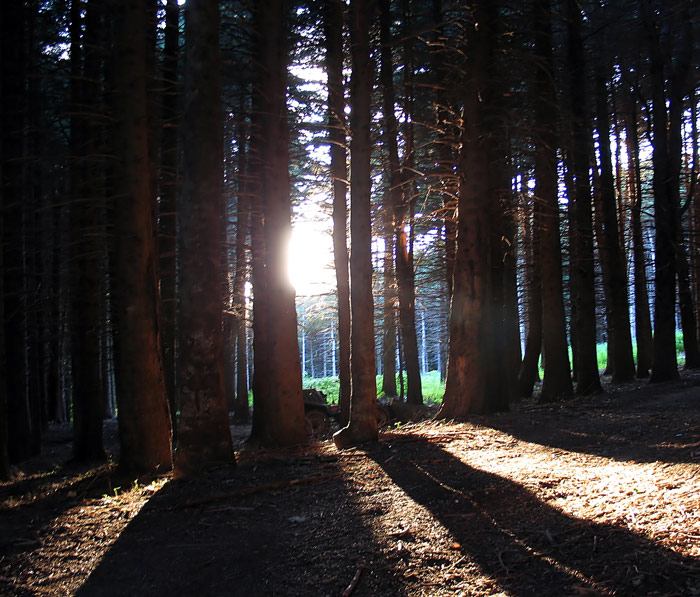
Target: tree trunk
point(581, 225)
point(241, 410)
point(610, 243)
point(677, 91)
point(21, 421)
point(167, 205)
point(363, 403)
point(557, 372)
point(389, 310)
point(86, 241)
point(404, 265)
point(471, 361)
point(664, 365)
point(203, 435)
point(339, 175)
point(144, 418)
point(642, 316)
point(283, 419)
point(7, 107)
point(694, 216)
point(529, 368)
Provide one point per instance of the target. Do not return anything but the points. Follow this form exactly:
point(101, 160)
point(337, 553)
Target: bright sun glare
point(311, 259)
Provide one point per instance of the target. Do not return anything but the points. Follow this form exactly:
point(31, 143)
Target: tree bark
point(167, 205)
point(363, 403)
point(21, 420)
point(676, 93)
point(203, 435)
point(404, 263)
point(389, 306)
point(556, 383)
point(86, 241)
point(664, 364)
point(610, 243)
point(642, 316)
point(283, 419)
point(529, 368)
point(339, 175)
point(241, 409)
point(581, 225)
point(144, 418)
point(471, 361)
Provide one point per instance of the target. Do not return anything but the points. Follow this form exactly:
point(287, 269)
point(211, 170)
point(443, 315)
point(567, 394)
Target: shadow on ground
point(529, 547)
point(625, 426)
point(274, 542)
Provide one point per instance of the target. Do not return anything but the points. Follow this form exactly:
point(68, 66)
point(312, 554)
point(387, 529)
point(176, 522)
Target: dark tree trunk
point(362, 426)
point(581, 225)
point(7, 107)
point(167, 206)
point(144, 417)
point(389, 311)
point(339, 175)
point(86, 241)
point(676, 91)
point(203, 431)
point(21, 421)
point(611, 244)
point(241, 408)
point(398, 190)
point(529, 368)
point(664, 365)
point(282, 423)
point(642, 316)
point(557, 373)
point(472, 359)
point(694, 216)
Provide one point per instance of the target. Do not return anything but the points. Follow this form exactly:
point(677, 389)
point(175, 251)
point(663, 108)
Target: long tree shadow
point(528, 546)
point(270, 542)
point(628, 427)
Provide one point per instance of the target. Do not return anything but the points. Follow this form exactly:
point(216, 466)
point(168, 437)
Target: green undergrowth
point(434, 388)
point(431, 384)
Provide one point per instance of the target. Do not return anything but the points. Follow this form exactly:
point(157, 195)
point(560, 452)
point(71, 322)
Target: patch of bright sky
point(311, 251)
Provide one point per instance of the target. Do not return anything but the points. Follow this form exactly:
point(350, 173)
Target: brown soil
point(598, 496)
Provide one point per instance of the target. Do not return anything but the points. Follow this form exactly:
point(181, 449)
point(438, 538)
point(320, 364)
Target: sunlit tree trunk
point(144, 417)
point(556, 383)
point(363, 403)
point(334, 12)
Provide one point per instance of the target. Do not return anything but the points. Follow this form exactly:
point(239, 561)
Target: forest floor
point(595, 496)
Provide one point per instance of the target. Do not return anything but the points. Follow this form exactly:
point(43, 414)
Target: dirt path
point(600, 496)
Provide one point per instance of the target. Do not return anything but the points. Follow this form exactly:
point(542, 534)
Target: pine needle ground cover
point(597, 496)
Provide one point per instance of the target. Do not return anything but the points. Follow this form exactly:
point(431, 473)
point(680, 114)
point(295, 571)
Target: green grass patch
point(433, 388)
